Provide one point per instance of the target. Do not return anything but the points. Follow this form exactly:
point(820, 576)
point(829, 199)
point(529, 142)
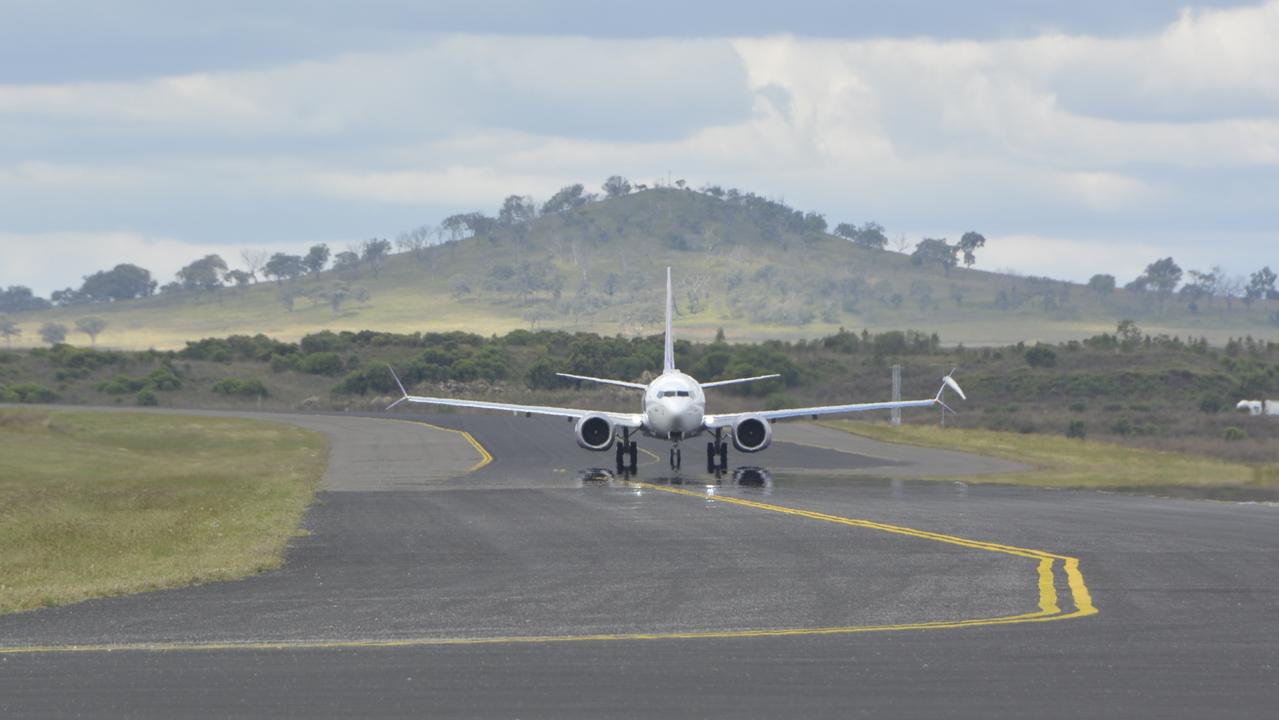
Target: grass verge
point(1069, 463)
point(95, 504)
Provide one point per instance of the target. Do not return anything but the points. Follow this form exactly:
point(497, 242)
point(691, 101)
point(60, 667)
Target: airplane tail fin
point(668, 362)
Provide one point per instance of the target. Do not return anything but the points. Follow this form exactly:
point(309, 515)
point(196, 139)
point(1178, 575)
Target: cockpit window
point(672, 393)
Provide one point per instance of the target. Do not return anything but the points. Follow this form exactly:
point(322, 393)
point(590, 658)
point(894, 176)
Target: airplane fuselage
point(674, 407)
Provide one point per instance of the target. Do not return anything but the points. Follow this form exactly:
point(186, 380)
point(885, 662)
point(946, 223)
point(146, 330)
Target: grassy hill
point(598, 268)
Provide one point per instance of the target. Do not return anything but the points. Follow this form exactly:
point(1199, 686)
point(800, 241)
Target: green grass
point(1068, 463)
point(754, 282)
point(96, 504)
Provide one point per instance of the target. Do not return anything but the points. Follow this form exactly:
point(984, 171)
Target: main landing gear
point(717, 455)
point(627, 454)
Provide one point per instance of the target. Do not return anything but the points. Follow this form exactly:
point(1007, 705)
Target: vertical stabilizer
point(668, 362)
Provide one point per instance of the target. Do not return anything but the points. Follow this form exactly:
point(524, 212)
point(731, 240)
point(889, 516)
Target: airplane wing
point(629, 420)
point(728, 419)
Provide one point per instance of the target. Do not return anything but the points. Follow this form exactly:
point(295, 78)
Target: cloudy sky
point(1079, 137)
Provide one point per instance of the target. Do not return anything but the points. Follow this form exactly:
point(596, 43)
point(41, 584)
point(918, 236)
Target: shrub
point(165, 378)
point(121, 385)
point(1122, 426)
point(1077, 429)
point(321, 363)
point(1041, 356)
point(324, 341)
point(27, 393)
point(1233, 434)
point(251, 387)
point(1078, 407)
point(1211, 404)
point(147, 398)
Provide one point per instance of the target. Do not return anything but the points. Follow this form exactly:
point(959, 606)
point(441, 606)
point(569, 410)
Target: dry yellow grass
point(96, 504)
point(1070, 463)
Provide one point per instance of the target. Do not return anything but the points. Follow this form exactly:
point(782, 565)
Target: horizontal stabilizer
point(606, 381)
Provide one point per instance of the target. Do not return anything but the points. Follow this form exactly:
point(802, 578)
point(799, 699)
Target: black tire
point(633, 450)
point(723, 456)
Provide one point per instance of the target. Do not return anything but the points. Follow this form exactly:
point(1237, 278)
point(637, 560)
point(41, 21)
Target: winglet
point(949, 382)
point(404, 394)
point(668, 361)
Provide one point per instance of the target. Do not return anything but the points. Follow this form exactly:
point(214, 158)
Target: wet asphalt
point(487, 576)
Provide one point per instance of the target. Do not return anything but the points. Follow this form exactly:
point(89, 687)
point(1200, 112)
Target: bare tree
point(901, 244)
point(416, 241)
point(254, 260)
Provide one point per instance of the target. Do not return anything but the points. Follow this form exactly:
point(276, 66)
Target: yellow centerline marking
point(1049, 608)
point(485, 457)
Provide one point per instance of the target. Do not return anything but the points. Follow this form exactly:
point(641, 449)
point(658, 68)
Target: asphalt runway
point(518, 579)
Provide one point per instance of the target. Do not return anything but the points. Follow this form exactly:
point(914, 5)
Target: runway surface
point(512, 578)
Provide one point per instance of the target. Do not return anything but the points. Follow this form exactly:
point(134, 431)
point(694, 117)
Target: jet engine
point(752, 434)
point(594, 432)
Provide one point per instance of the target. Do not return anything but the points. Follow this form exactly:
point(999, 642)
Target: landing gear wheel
point(711, 455)
point(633, 451)
point(621, 455)
point(675, 458)
point(723, 456)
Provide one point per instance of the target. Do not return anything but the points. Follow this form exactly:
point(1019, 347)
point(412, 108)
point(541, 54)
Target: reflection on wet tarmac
point(745, 477)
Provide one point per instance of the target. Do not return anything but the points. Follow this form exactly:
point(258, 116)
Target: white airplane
point(674, 409)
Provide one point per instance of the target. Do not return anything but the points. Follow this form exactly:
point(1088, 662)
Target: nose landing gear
point(675, 457)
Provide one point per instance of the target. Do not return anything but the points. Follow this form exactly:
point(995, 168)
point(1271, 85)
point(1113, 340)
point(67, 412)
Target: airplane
point(674, 409)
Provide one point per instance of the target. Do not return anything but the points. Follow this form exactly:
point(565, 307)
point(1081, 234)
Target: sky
point(1078, 137)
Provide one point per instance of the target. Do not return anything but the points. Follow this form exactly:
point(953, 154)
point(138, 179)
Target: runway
point(492, 571)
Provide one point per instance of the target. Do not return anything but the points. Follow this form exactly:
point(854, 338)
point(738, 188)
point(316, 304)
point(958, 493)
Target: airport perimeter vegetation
point(94, 504)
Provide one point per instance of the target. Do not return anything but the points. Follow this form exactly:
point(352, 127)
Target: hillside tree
point(17, 298)
point(91, 326)
point(283, 266)
point(123, 282)
point(374, 252)
point(516, 209)
point(567, 198)
point(1102, 284)
point(1163, 276)
point(616, 186)
point(9, 329)
point(935, 250)
point(53, 333)
point(316, 258)
point(969, 244)
point(1261, 286)
point(203, 274)
point(347, 263)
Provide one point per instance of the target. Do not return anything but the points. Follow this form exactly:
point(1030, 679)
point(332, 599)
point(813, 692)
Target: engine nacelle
point(594, 432)
point(752, 434)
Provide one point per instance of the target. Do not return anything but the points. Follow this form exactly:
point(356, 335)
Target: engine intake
point(594, 432)
point(752, 434)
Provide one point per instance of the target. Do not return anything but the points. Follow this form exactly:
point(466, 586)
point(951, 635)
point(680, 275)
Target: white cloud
point(1044, 138)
